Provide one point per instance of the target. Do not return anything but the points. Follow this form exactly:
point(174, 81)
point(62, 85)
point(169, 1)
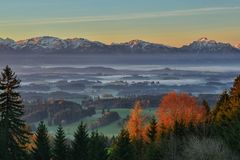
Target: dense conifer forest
point(182, 129)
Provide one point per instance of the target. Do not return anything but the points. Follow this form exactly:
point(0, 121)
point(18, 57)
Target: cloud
point(133, 16)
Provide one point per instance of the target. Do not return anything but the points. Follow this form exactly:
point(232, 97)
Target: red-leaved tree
point(179, 107)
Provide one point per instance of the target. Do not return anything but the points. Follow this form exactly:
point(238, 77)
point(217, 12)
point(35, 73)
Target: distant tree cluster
point(181, 130)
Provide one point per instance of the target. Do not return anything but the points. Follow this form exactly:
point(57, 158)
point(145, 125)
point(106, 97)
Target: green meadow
point(108, 130)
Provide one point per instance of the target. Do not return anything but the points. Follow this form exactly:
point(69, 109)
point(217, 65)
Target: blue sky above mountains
point(172, 22)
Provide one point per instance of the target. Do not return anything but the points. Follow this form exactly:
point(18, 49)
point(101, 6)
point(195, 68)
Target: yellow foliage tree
point(135, 122)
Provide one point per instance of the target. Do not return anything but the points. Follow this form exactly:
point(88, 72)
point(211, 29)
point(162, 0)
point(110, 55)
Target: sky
point(170, 22)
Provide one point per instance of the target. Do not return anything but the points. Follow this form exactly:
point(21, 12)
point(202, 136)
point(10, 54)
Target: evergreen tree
point(235, 93)
point(60, 149)
point(97, 147)
point(223, 110)
point(179, 130)
point(41, 151)
point(80, 143)
point(230, 133)
point(206, 106)
point(123, 148)
point(153, 151)
point(139, 147)
point(152, 130)
point(13, 133)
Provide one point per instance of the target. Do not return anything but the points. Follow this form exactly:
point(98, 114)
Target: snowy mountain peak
point(203, 39)
point(204, 45)
point(45, 42)
point(48, 44)
point(8, 43)
point(137, 42)
point(75, 43)
point(237, 46)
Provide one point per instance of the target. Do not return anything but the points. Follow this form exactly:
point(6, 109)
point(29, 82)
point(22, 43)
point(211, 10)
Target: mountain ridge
point(48, 44)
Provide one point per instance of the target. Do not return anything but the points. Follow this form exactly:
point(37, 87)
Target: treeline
point(146, 101)
point(182, 129)
point(57, 112)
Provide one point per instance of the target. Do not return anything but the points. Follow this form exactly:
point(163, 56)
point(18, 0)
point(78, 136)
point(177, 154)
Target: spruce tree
point(152, 130)
point(123, 148)
point(97, 147)
point(60, 148)
point(223, 110)
point(153, 151)
point(13, 133)
point(41, 151)
point(206, 106)
point(179, 130)
point(80, 143)
point(235, 93)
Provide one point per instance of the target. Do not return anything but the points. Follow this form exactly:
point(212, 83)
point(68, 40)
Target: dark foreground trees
point(181, 130)
point(123, 149)
point(80, 143)
point(41, 149)
point(60, 147)
point(97, 148)
point(13, 132)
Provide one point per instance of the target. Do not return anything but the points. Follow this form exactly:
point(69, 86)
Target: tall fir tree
point(41, 151)
point(13, 133)
point(80, 143)
point(97, 147)
point(223, 110)
point(152, 130)
point(153, 151)
point(123, 149)
point(206, 106)
point(235, 93)
point(60, 148)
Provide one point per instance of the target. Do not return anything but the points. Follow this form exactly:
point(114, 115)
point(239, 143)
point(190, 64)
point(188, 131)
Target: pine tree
point(41, 151)
point(97, 147)
point(206, 106)
point(152, 130)
point(123, 148)
point(179, 129)
point(223, 110)
point(80, 143)
point(60, 148)
point(13, 133)
point(235, 92)
point(153, 151)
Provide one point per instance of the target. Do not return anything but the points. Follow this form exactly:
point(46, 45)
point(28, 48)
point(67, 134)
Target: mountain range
point(47, 44)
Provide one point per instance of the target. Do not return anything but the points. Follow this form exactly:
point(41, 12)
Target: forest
point(182, 129)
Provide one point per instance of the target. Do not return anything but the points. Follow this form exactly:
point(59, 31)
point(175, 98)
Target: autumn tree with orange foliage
point(179, 107)
point(135, 122)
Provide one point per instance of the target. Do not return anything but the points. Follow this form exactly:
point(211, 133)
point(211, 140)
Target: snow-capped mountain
point(7, 43)
point(47, 44)
point(41, 43)
point(139, 46)
point(238, 46)
point(76, 43)
point(203, 45)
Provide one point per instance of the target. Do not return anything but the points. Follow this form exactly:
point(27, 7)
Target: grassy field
point(109, 130)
